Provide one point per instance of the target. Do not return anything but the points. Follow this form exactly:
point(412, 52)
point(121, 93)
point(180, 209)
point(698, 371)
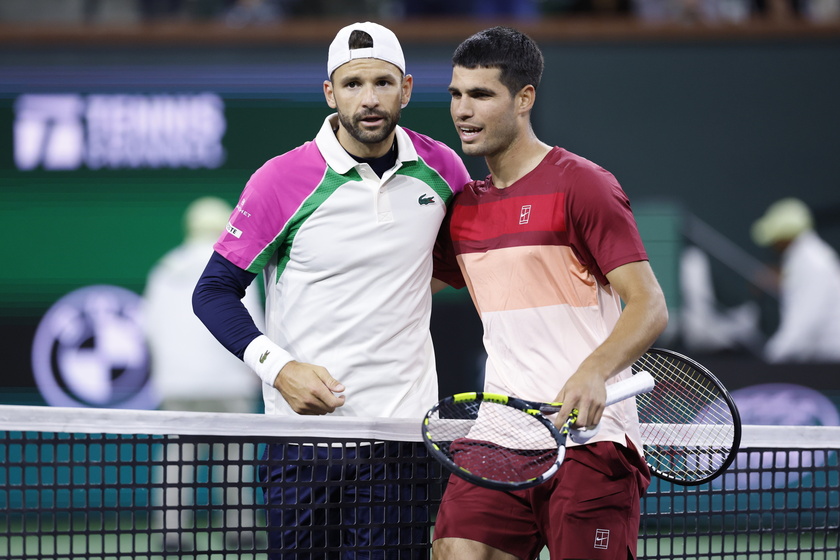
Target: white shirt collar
point(342, 162)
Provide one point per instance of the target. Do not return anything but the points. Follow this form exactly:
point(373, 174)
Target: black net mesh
point(72, 493)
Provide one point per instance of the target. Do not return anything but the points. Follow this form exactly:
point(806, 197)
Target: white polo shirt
point(347, 257)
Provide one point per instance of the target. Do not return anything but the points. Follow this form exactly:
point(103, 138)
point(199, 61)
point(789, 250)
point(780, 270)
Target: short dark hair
point(360, 40)
point(516, 55)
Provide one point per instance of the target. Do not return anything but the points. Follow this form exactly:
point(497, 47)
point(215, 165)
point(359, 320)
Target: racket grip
point(640, 383)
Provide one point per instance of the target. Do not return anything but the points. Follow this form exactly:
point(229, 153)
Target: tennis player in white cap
point(343, 229)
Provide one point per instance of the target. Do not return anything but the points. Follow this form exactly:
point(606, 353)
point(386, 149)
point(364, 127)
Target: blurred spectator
point(809, 284)
point(693, 11)
point(242, 13)
point(822, 11)
point(732, 11)
point(519, 9)
point(253, 12)
point(192, 371)
point(706, 326)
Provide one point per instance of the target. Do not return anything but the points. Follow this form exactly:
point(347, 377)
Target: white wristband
point(266, 358)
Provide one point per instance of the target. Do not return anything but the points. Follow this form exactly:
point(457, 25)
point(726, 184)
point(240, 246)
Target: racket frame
point(640, 382)
point(527, 407)
point(670, 355)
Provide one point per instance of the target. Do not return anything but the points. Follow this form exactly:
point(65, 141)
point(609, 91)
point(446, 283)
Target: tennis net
point(116, 484)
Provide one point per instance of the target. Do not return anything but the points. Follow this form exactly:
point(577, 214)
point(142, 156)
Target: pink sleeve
point(271, 198)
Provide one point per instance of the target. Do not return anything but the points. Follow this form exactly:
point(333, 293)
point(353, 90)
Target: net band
point(117, 421)
point(114, 421)
point(104, 484)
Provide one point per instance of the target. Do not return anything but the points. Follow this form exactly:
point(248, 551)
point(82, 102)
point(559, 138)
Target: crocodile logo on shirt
point(425, 199)
point(264, 356)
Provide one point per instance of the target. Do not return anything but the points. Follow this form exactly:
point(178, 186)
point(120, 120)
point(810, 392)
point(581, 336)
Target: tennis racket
point(503, 442)
point(690, 427)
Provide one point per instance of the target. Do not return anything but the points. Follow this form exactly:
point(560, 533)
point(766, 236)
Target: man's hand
point(586, 393)
point(643, 319)
point(309, 389)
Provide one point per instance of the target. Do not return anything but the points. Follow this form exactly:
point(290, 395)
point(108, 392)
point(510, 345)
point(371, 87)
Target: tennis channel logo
point(90, 350)
point(65, 132)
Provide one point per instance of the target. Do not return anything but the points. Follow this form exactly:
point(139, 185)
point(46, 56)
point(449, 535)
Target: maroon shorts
point(588, 510)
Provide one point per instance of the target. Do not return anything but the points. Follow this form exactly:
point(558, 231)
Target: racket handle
point(640, 383)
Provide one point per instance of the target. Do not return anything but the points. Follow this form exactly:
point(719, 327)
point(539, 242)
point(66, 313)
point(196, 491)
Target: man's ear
point(329, 95)
point(526, 97)
point(407, 85)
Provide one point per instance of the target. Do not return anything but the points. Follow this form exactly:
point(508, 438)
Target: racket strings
point(687, 424)
point(493, 441)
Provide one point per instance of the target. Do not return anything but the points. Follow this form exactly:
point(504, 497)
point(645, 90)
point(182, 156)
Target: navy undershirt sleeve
point(217, 301)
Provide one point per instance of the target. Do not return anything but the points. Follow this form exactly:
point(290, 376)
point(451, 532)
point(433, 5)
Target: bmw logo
point(90, 351)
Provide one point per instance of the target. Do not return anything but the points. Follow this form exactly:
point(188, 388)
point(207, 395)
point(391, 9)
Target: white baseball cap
point(385, 47)
point(783, 221)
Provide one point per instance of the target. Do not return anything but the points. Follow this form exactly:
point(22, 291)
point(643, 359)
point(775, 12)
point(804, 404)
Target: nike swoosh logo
point(264, 356)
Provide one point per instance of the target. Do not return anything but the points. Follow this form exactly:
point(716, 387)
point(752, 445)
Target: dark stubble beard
point(352, 126)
